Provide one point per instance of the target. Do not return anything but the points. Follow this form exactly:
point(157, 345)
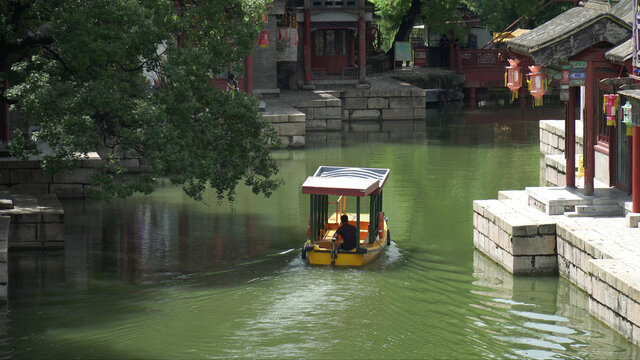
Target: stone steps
point(596, 210)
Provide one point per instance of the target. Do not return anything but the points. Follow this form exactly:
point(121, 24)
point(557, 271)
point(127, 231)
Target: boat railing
point(341, 207)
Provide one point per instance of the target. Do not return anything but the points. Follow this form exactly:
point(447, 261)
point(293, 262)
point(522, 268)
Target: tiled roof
point(620, 53)
point(575, 30)
point(555, 29)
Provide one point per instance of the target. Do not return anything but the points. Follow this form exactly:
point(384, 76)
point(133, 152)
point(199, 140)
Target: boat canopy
point(348, 181)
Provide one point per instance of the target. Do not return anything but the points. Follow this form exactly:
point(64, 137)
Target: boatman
point(348, 234)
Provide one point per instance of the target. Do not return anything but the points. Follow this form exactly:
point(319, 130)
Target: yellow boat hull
point(317, 255)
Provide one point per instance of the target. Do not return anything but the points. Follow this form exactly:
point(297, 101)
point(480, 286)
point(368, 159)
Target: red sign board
point(420, 57)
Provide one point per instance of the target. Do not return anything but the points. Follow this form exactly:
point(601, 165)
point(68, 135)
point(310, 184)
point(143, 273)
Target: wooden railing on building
point(485, 68)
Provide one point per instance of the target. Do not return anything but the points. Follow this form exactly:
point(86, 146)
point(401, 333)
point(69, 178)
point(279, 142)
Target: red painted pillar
point(307, 47)
point(630, 163)
point(570, 151)
point(362, 48)
point(248, 74)
point(522, 95)
point(635, 178)
point(589, 151)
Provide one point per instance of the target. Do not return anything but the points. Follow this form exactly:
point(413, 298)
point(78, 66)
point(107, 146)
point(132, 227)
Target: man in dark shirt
point(348, 234)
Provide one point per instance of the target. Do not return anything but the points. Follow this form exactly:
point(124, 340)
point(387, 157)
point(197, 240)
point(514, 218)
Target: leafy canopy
point(80, 72)
point(443, 16)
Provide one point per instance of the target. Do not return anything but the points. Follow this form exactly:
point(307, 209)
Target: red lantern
point(265, 39)
point(512, 78)
point(610, 107)
point(537, 84)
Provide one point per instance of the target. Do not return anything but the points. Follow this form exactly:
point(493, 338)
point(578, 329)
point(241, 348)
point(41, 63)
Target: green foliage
point(443, 16)
point(79, 77)
point(498, 14)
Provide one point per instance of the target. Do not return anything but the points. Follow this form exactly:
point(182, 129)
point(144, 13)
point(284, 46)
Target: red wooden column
point(472, 97)
point(589, 151)
point(362, 46)
point(522, 96)
point(307, 47)
point(635, 178)
point(570, 150)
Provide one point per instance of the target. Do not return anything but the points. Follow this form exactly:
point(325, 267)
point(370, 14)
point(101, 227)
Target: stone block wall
point(4, 270)
point(37, 221)
point(391, 104)
point(600, 268)
point(289, 124)
point(552, 146)
point(323, 112)
point(614, 299)
point(521, 242)
point(26, 177)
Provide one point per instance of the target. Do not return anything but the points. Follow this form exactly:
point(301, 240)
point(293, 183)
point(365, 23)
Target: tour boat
point(340, 183)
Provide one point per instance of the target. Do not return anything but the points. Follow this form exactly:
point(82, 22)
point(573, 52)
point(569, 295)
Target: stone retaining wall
point(27, 177)
point(392, 104)
point(611, 283)
point(521, 242)
point(552, 137)
point(288, 122)
point(37, 221)
point(4, 269)
point(323, 112)
point(552, 146)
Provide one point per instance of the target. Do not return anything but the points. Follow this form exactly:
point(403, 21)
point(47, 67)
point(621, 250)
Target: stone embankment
point(387, 99)
point(593, 241)
point(37, 221)
point(27, 177)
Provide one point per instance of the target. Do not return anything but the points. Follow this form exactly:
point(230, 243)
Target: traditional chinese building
point(305, 43)
point(577, 43)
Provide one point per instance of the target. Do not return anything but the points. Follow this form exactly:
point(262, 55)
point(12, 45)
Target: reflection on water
point(162, 276)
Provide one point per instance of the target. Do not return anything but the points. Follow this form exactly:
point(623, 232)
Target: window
point(341, 43)
point(331, 43)
point(318, 40)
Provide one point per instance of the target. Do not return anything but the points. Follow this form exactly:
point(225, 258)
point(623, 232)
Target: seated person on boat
point(347, 232)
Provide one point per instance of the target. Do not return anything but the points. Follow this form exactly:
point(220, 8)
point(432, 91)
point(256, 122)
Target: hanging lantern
point(610, 107)
point(626, 118)
point(537, 84)
point(512, 78)
point(264, 39)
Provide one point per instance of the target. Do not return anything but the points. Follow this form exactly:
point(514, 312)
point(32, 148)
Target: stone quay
point(593, 241)
point(295, 112)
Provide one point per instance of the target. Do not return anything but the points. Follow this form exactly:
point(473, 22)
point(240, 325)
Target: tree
point(442, 16)
point(77, 72)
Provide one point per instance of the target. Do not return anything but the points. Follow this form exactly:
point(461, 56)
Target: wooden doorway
point(332, 49)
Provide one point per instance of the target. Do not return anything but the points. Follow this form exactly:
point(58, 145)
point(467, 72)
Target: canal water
point(162, 276)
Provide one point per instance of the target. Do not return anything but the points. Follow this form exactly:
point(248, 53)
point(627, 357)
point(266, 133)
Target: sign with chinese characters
point(402, 51)
point(577, 77)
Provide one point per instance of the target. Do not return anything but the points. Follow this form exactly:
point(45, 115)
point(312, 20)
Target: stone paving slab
point(310, 99)
point(519, 195)
point(558, 200)
point(277, 111)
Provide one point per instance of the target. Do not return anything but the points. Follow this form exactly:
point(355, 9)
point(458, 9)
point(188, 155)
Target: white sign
point(402, 51)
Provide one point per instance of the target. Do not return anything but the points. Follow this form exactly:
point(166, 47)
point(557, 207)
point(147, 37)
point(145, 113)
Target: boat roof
point(348, 181)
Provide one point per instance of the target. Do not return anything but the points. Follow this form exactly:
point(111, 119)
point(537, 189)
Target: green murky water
point(164, 277)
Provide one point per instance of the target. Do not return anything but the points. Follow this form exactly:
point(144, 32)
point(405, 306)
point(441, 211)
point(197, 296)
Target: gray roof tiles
point(620, 53)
